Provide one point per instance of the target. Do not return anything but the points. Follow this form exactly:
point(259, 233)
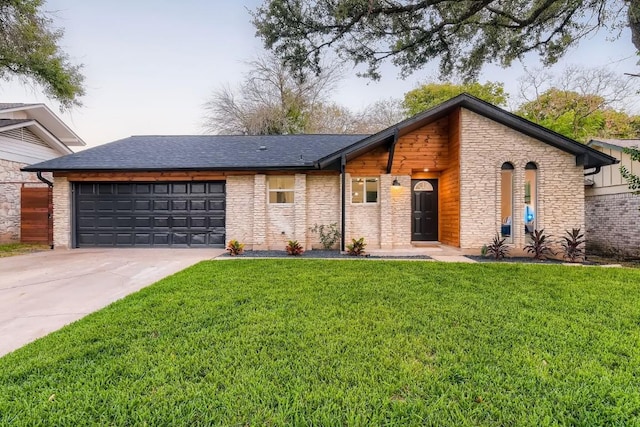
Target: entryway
point(424, 208)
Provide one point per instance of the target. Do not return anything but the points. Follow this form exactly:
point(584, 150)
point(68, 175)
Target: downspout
point(50, 184)
point(597, 169)
point(43, 179)
point(343, 219)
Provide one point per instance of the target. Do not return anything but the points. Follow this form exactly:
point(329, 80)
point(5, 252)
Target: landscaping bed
point(320, 254)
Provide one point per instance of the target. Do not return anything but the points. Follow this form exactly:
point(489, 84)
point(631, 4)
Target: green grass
point(13, 249)
point(312, 342)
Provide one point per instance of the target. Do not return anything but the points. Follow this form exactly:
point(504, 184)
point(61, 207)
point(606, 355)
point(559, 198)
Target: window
point(364, 190)
point(281, 189)
point(506, 202)
point(530, 197)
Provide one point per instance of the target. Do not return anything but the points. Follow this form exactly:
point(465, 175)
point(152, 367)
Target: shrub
point(571, 244)
point(539, 245)
point(498, 249)
point(235, 248)
point(294, 248)
point(329, 234)
point(356, 248)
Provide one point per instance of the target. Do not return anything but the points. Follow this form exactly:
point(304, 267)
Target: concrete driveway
point(41, 292)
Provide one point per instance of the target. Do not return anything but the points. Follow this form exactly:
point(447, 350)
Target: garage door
point(150, 214)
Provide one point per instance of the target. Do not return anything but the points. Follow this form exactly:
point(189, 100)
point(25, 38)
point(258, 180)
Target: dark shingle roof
point(9, 105)
point(205, 152)
point(11, 122)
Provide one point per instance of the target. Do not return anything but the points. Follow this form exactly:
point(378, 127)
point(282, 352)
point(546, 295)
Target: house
point(612, 210)
point(29, 133)
point(456, 174)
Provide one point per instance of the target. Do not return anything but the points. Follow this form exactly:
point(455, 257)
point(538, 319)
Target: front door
point(424, 207)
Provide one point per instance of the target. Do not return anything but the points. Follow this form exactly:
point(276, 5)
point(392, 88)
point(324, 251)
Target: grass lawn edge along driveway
point(317, 342)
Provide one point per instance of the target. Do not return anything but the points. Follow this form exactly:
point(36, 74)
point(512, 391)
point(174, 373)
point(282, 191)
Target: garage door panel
point(179, 205)
point(142, 205)
point(124, 239)
point(160, 205)
point(150, 214)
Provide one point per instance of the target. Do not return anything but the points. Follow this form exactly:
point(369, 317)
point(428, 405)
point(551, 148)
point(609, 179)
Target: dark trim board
point(149, 214)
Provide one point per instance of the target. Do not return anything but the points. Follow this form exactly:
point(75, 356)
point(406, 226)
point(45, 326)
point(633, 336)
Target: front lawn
point(318, 342)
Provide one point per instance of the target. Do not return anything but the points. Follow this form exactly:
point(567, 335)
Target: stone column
point(61, 213)
point(260, 212)
point(386, 217)
point(300, 226)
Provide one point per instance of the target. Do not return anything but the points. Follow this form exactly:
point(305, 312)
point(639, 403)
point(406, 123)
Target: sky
point(151, 65)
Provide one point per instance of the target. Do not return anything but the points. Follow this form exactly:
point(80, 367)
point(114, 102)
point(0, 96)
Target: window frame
point(507, 172)
point(280, 190)
point(366, 179)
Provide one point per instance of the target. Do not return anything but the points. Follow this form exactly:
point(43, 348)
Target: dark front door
point(424, 206)
point(150, 214)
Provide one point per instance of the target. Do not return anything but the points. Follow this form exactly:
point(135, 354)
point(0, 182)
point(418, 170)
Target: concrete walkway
point(41, 292)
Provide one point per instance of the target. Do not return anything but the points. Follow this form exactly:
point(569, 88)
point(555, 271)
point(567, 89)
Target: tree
point(632, 180)
point(29, 50)
point(580, 103)
point(270, 100)
point(462, 34)
point(431, 94)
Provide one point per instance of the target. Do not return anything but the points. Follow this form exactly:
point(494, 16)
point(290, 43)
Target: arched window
point(423, 186)
point(530, 197)
point(506, 202)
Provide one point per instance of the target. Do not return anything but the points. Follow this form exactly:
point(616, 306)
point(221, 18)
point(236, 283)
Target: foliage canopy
point(29, 50)
point(431, 94)
point(462, 35)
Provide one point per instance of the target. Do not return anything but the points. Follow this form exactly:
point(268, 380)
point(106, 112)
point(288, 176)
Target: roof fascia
point(74, 141)
point(43, 133)
point(36, 168)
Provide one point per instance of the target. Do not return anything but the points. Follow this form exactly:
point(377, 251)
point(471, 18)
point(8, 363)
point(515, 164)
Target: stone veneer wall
point(260, 225)
point(384, 225)
point(323, 205)
point(485, 146)
point(11, 179)
point(240, 215)
point(61, 213)
point(613, 224)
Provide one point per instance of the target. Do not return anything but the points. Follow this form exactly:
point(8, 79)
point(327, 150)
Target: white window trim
point(364, 198)
point(280, 190)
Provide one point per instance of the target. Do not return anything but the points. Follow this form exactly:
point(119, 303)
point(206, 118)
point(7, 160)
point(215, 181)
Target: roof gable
point(46, 118)
point(585, 156)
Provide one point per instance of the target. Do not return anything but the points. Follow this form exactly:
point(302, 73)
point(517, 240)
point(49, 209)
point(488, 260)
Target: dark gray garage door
point(150, 214)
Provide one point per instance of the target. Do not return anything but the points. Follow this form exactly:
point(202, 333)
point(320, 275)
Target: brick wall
point(485, 146)
point(323, 205)
point(260, 225)
point(239, 209)
point(613, 224)
point(61, 213)
point(11, 179)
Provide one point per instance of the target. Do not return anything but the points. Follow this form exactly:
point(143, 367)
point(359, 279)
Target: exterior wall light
point(396, 183)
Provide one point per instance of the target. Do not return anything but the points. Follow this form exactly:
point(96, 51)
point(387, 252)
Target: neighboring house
point(612, 210)
point(29, 133)
point(456, 174)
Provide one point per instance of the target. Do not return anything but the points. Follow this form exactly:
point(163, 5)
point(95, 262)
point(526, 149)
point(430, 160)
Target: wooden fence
point(36, 215)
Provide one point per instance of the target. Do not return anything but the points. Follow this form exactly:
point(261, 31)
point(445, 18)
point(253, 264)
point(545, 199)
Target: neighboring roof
point(203, 152)
point(47, 119)
point(10, 122)
point(12, 105)
point(585, 156)
point(615, 144)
